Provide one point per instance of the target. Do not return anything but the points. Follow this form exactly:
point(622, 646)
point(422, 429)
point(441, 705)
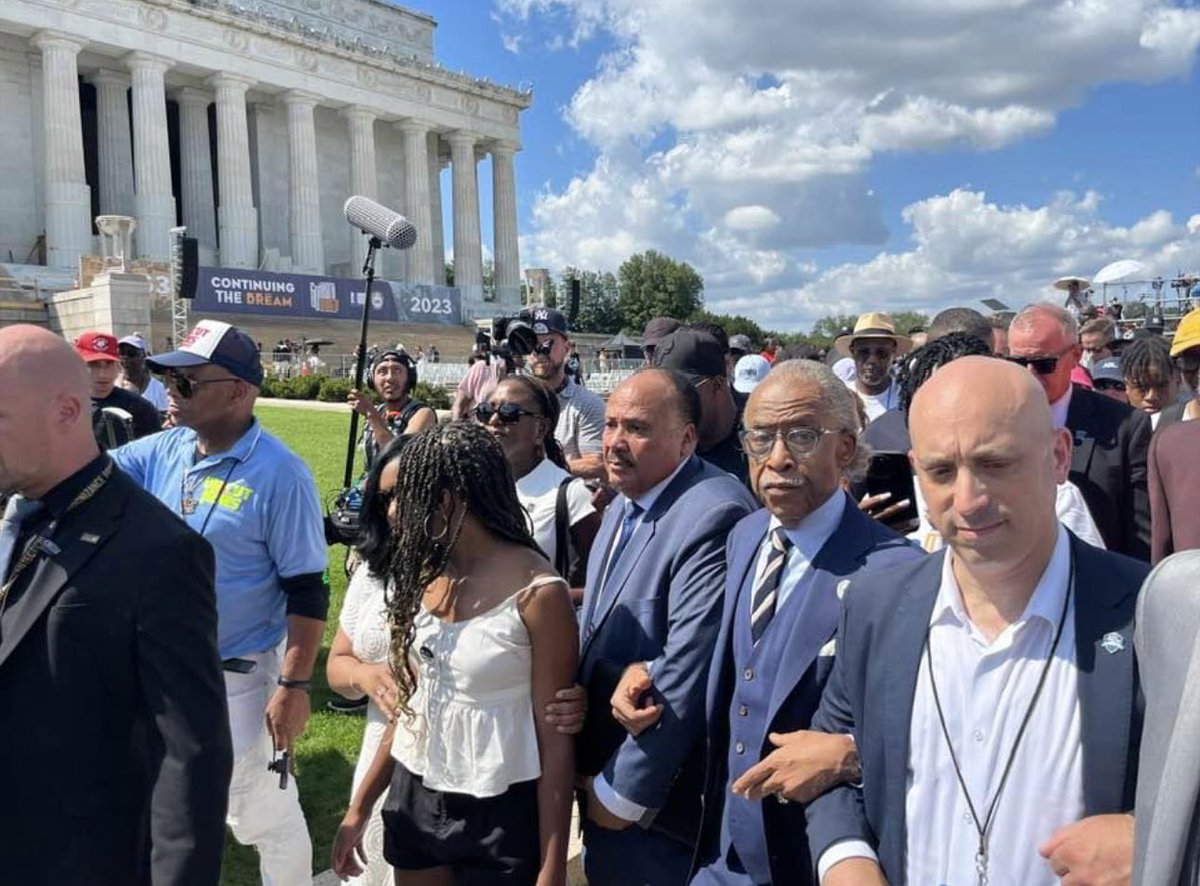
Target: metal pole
point(373, 247)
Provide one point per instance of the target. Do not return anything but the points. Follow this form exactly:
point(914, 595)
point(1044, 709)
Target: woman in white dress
point(482, 636)
point(358, 659)
point(522, 413)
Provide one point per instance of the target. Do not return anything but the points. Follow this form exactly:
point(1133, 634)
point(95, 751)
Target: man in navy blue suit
point(652, 600)
point(991, 688)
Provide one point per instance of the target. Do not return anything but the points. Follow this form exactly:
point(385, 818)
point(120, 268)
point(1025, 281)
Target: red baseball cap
point(94, 346)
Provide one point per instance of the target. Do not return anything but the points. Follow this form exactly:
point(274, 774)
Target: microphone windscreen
point(377, 220)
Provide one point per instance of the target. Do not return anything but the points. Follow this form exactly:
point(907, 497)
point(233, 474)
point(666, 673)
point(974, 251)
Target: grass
point(326, 754)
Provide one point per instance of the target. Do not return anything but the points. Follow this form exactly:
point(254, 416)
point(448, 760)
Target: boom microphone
point(390, 228)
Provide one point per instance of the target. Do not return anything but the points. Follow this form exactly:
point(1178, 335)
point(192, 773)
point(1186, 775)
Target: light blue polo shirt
point(266, 526)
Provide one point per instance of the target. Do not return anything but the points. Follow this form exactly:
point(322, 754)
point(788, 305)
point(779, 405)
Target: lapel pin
point(1112, 643)
point(89, 538)
point(841, 588)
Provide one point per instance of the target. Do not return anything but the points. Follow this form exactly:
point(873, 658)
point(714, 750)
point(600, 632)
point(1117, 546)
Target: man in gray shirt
point(581, 418)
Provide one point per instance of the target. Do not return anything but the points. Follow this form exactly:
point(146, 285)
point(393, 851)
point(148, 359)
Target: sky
point(810, 157)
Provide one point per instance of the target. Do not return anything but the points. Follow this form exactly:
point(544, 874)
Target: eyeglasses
point(1041, 365)
point(800, 442)
point(508, 413)
point(879, 352)
point(1108, 384)
point(186, 387)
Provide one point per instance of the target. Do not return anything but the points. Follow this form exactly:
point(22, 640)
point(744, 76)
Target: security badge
point(1112, 643)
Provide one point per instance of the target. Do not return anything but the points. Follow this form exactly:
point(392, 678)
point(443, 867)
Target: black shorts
point(484, 839)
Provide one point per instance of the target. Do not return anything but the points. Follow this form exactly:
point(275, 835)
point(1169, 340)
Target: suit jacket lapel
point(1104, 656)
point(820, 605)
point(1082, 443)
point(79, 537)
point(597, 561)
point(618, 575)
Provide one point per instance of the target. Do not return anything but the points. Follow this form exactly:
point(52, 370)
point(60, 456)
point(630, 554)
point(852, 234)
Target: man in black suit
point(991, 688)
point(114, 743)
point(1111, 440)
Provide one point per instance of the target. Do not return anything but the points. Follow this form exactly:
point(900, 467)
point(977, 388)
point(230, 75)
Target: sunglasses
point(882, 352)
point(508, 413)
point(1108, 384)
point(1041, 365)
point(185, 387)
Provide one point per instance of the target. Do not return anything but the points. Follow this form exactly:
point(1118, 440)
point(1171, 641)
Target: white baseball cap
point(749, 371)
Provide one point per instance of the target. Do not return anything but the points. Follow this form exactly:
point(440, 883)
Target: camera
point(517, 332)
point(342, 521)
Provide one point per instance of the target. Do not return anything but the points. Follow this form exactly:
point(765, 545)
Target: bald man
point(984, 700)
point(113, 733)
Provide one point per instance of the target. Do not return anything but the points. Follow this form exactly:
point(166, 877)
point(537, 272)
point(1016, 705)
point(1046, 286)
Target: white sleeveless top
point(473, 731)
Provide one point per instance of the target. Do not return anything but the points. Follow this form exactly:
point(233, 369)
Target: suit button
point(740, 748)
point(743, 710)
point(748, 673)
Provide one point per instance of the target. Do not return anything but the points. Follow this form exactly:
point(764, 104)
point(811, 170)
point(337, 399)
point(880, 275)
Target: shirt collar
point(1059, 408)
point(1046, 602)
point(815, 529)
point(568, 389)
point(646, 500)
point(58, 499)
point(240, 451)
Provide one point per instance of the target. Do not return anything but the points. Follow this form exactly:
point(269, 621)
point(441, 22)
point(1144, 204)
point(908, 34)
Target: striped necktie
point(18, 510)
point(767, 586)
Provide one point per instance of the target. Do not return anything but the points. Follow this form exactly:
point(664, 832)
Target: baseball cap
point(547, 320)
point(135, 341)
point(212, 341)
point(749, 371)
point(94, 347)
point(1108, 369)
point(740, 343)
point(1187, 333)
point(657, 328)
point(690, 352)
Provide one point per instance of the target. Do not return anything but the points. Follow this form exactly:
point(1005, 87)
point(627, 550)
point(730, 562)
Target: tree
point(733, 324)
point(655, 285)
point(828, 328)
point(599, 303)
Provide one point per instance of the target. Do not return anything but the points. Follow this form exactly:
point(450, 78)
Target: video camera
point(517, 333)
point(343, 518)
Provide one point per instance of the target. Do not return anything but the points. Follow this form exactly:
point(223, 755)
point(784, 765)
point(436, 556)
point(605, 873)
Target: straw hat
point(873, 325)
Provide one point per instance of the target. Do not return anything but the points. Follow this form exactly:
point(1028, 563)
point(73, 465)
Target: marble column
point(416, 187)
point(304, 192)
point(68, 197)
point(468, 254)
point(152, 156)
point(115, 148)
point(364, 181)
point(504, 224)
point(236, 215)
point(433, 150)
point(196, 178)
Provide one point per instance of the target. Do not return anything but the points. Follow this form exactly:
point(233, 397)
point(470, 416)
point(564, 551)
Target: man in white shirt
point(873, 345)
point(996, 720)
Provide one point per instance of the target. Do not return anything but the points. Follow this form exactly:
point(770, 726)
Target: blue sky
point(807, 158)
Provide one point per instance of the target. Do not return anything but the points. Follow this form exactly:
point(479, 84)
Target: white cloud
point(740, 136)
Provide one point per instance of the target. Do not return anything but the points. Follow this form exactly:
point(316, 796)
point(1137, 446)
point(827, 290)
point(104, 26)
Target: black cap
point(657, 328)
point(691, 352)
point(546, 320)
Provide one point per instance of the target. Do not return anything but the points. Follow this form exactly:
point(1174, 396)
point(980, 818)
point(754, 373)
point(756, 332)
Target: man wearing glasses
point(1111, 440)
point(255, 501)
point(873, 345)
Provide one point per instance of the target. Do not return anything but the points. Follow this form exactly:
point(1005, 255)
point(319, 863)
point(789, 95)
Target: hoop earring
point(429, 535)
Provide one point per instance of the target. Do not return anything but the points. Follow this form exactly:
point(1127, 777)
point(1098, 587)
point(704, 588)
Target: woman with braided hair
point(482, 635)
point(521, 413)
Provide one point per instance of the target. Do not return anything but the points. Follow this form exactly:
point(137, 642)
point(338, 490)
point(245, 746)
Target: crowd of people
point(763, 616)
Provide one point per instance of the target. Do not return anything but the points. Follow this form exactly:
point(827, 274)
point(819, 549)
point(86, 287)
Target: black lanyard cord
point(983, 828)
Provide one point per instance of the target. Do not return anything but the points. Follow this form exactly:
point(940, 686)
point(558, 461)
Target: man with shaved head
point(652, 606)
point(113, 729)
point(991, 688)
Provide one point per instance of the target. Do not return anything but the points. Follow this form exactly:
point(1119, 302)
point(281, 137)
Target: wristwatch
point(305, 685)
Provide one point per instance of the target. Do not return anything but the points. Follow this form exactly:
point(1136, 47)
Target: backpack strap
point(562, 531)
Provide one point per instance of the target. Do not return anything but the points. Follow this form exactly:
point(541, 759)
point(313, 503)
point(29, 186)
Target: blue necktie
point(18, 510)
point(628, 524)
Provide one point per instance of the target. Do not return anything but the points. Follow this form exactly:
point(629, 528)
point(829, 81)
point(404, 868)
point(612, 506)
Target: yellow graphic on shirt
point(233, 496)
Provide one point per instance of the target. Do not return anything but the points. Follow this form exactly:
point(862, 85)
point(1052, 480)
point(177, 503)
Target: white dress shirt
point(1060, 407)
point(985, 691)
point(807, 539)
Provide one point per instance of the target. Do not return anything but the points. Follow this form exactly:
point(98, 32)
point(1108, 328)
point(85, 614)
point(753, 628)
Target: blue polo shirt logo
point(232, 497)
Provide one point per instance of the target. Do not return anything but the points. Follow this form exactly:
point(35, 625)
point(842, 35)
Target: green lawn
point(326, 754)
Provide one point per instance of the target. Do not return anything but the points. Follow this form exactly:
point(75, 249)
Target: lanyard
point(982, 828)
point(188, 504)
point(40, 542)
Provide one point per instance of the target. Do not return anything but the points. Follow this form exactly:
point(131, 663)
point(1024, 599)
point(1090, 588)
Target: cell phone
point(891, 472)
point(239, 665)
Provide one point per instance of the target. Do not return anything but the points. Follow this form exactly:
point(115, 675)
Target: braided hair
point(464, 460)
point(1145, 356)
point(917, 367)
point(548, 406)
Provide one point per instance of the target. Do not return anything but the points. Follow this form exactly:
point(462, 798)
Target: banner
point(301, 296)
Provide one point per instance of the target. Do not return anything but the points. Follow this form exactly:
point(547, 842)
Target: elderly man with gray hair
point(787, 566)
